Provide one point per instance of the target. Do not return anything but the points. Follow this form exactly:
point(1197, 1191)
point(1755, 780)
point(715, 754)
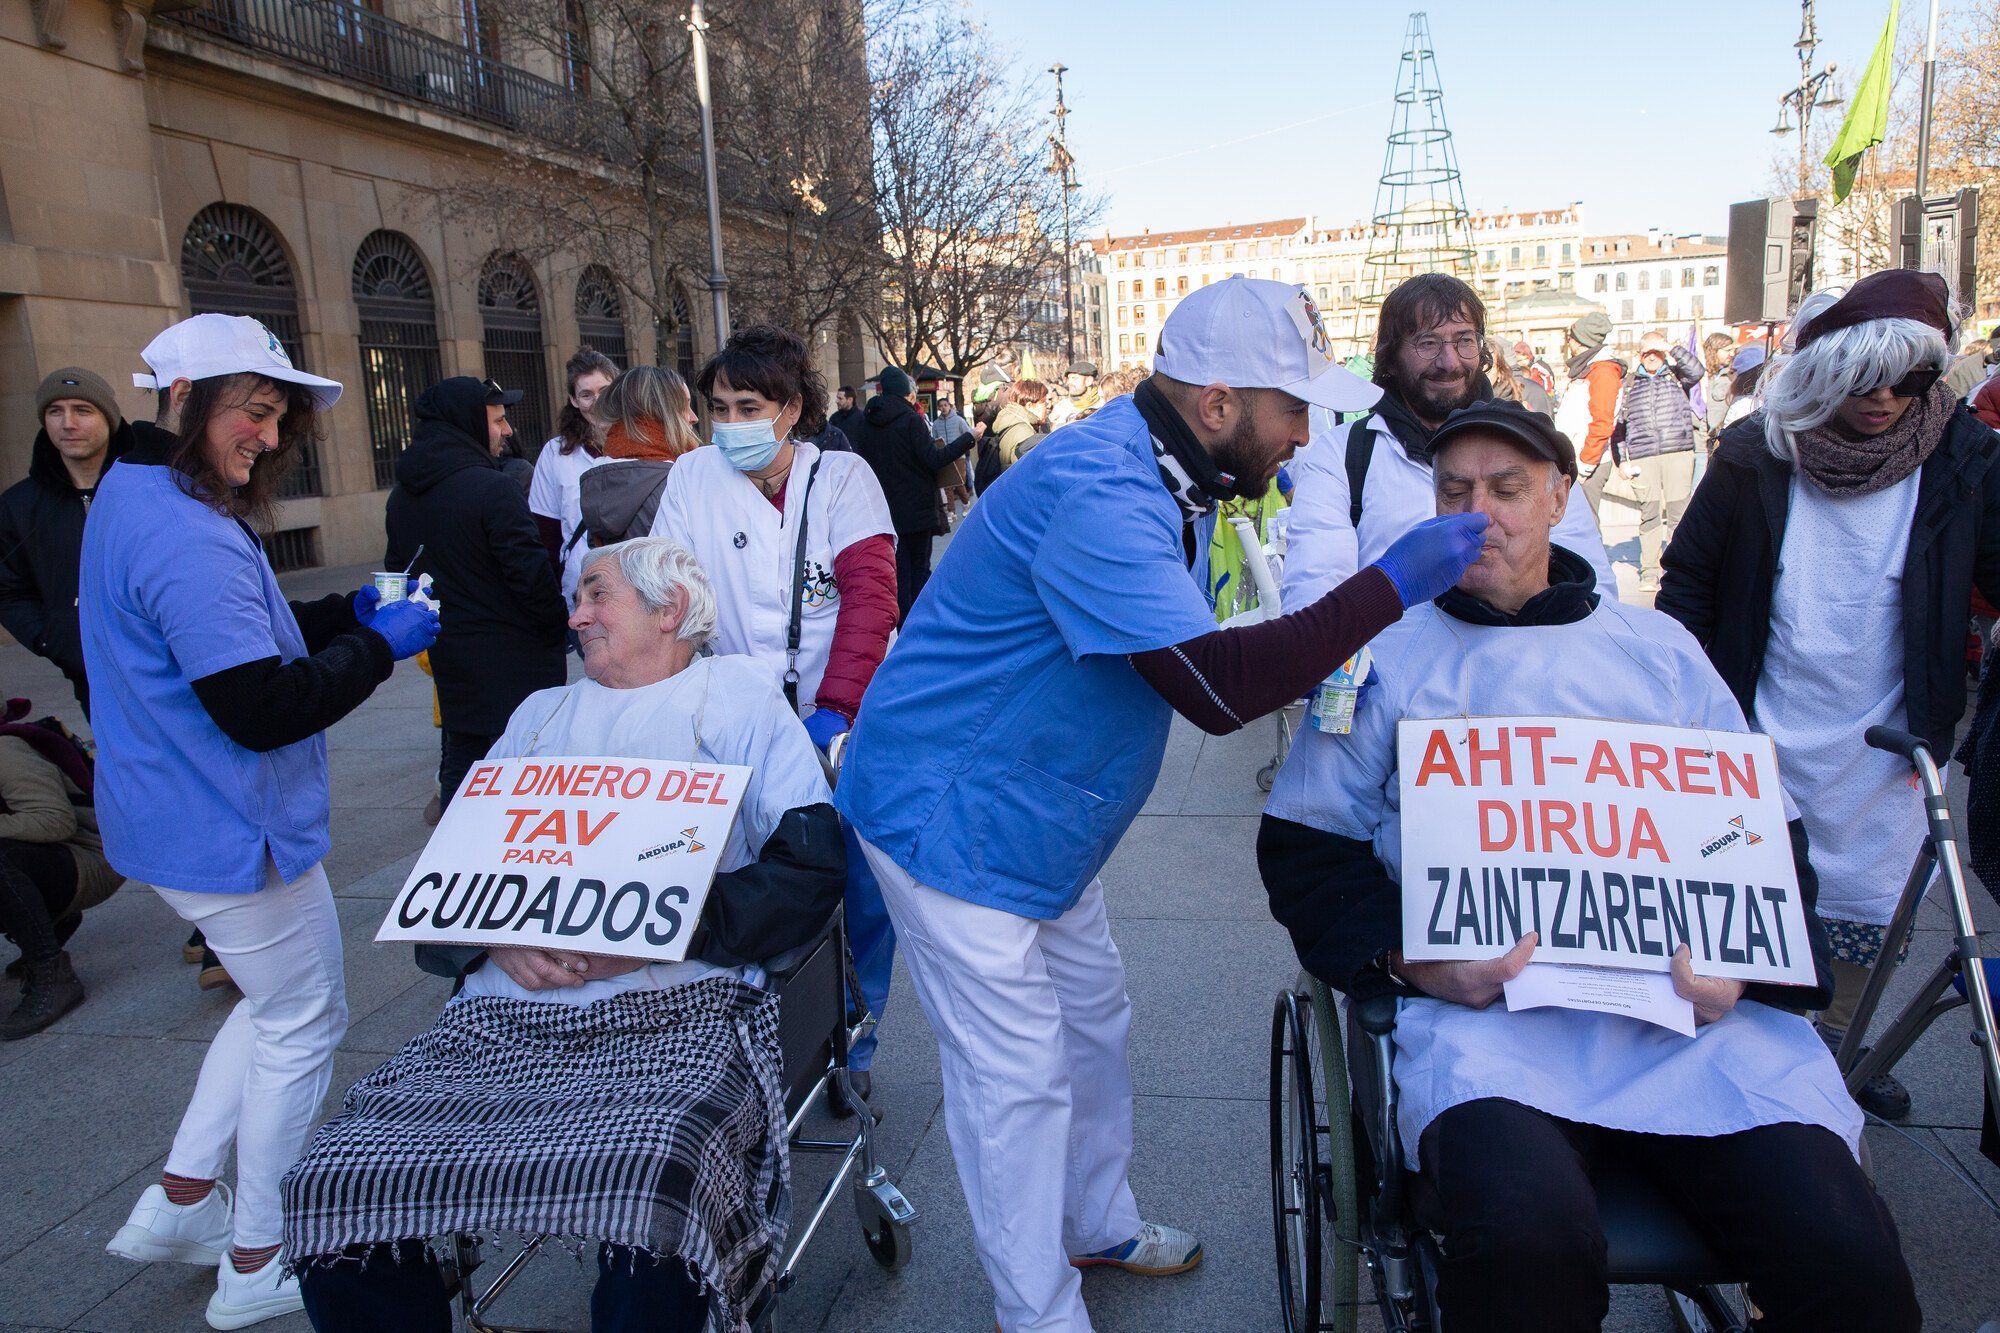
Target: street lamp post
point(1811, 92)
point(718, 280)
point(1065, 166)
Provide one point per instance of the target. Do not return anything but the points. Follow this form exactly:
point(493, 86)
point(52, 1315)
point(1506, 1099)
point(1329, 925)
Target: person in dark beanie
point(502, 610)
point(895, 441)
point(1825, 566)
point(41, 518)
point(1589, 406)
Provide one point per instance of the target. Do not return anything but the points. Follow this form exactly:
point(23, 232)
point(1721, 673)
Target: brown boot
point(49, 991)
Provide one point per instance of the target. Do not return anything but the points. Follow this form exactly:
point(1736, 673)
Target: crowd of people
point(744, 566)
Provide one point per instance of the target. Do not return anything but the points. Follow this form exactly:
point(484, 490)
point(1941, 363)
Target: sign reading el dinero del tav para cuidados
point(1614, 842)
point(593, 855)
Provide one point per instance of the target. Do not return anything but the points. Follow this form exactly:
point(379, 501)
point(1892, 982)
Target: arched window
point(232, 264)
point(511, 311)
point(600, 315)
point(684, 338)
point(399, 341)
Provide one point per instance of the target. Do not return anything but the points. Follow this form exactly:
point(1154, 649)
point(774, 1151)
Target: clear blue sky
point(1187, 112)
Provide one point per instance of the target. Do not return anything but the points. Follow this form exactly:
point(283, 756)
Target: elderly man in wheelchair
point(586, 1097)
point(1509, 1123)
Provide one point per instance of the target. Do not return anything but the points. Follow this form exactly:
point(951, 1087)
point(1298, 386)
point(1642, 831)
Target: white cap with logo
point(209, 345)
point(1253, 333)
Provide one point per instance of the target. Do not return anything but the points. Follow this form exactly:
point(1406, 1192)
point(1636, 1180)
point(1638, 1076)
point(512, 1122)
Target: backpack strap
point(1360, 450)
point(796, 630)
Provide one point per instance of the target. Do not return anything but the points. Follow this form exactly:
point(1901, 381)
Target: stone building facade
point(280, 158)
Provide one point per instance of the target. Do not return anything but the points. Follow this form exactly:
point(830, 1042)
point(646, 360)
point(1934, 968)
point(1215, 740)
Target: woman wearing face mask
point(1827, 565)
point(798, 546)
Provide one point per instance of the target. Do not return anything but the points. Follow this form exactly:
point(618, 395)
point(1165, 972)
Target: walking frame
point(1937, 996)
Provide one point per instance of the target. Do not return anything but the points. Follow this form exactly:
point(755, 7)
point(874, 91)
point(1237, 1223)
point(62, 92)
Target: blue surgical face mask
point(748, 445)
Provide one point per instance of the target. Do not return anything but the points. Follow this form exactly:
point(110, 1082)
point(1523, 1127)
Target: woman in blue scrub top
point(212, 772)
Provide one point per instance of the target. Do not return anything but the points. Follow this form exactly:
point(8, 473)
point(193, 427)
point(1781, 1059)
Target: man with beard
point(1018, 724)
point(1364, 484)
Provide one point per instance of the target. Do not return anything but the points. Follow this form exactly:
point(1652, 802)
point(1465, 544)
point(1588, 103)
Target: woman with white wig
point(1826, 564)
point(562, 1093)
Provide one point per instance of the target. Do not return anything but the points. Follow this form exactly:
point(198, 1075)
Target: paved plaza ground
point(87, 1109)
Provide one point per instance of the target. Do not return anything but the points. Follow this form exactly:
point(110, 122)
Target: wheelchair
point(1340, 1194)
point(816, 998)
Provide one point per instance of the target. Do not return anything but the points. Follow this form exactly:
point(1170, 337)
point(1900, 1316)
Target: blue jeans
point(872, 940)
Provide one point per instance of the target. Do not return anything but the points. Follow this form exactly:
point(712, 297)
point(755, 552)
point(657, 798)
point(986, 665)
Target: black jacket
point(896, 441)
point(502, 610)
point(1343, 910)
point(41, 546)
point(847, 420)
point(1719, 570)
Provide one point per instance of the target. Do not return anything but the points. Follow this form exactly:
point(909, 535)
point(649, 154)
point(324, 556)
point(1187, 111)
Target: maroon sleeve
point(865, 573)
point(1224, 680)
point(550, 531)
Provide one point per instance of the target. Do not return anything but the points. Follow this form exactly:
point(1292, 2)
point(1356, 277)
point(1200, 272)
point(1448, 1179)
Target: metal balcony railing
point(359, 45)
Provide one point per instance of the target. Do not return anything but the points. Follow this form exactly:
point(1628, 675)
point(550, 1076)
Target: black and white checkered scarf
point(653, 1119)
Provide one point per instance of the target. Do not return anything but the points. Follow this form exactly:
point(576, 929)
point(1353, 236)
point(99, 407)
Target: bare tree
point(791, 125)
point(965, 193)
point(1965, 133)
point(624, 190)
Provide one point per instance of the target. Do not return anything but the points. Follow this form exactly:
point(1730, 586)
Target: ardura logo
point(1735, 834)
point(684, 843)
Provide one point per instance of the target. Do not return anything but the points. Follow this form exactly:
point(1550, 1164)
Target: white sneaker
point(1157, 1251)
point(243, 1299)
point(161, 1232)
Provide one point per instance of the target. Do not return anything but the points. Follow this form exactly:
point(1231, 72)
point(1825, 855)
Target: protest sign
point(591, 855)
point(1616, 842)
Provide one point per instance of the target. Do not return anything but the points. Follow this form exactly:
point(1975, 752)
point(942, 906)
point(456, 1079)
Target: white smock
point(1833, 669)
point(720, 710)
point(747, 549)
point(1324, 549)
point(1755, 1066)
point(557, 493)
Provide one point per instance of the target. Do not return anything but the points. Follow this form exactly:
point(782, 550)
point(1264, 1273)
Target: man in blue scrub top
point(1018, 724)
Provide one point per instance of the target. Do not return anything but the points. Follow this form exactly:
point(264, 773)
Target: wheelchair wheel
point(1340, 1244)
point(1701, 1310)
point(1317, 1269)
point(887, 1237)
point(1295, 1196)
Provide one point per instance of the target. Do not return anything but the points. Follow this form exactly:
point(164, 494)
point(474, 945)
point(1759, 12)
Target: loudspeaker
point(1770, 259)
point(1942, 234)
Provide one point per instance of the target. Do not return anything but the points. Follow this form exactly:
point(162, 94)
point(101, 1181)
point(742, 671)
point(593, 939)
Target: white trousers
point(267, 1070)
point(1031, 1019)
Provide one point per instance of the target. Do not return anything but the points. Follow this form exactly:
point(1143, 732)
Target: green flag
point(1867, 122)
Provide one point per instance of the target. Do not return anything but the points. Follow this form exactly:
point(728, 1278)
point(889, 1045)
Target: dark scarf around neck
point(1186, 469)
point(1570, 596)
point(1841, 465)
point(1401, 419)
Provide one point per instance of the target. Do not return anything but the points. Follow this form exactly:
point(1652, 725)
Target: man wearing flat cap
point(41, 517)
point(1506, 1116)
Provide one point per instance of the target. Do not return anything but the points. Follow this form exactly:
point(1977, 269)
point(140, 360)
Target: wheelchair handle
point(1896, 742)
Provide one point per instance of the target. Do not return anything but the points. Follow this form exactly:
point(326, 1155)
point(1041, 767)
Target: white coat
point(1324, 548)
point(747, 549)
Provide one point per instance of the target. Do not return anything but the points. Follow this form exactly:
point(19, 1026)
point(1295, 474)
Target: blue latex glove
point(365, 601)
point(1429, 558)
point(409, 627)
point(823, 724)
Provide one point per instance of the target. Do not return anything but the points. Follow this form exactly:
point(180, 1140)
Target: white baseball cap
point(1253, 333)
point(210, 345)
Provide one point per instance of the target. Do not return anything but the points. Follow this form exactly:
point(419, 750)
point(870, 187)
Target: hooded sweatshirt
point(41, 546)
point(502, 610)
